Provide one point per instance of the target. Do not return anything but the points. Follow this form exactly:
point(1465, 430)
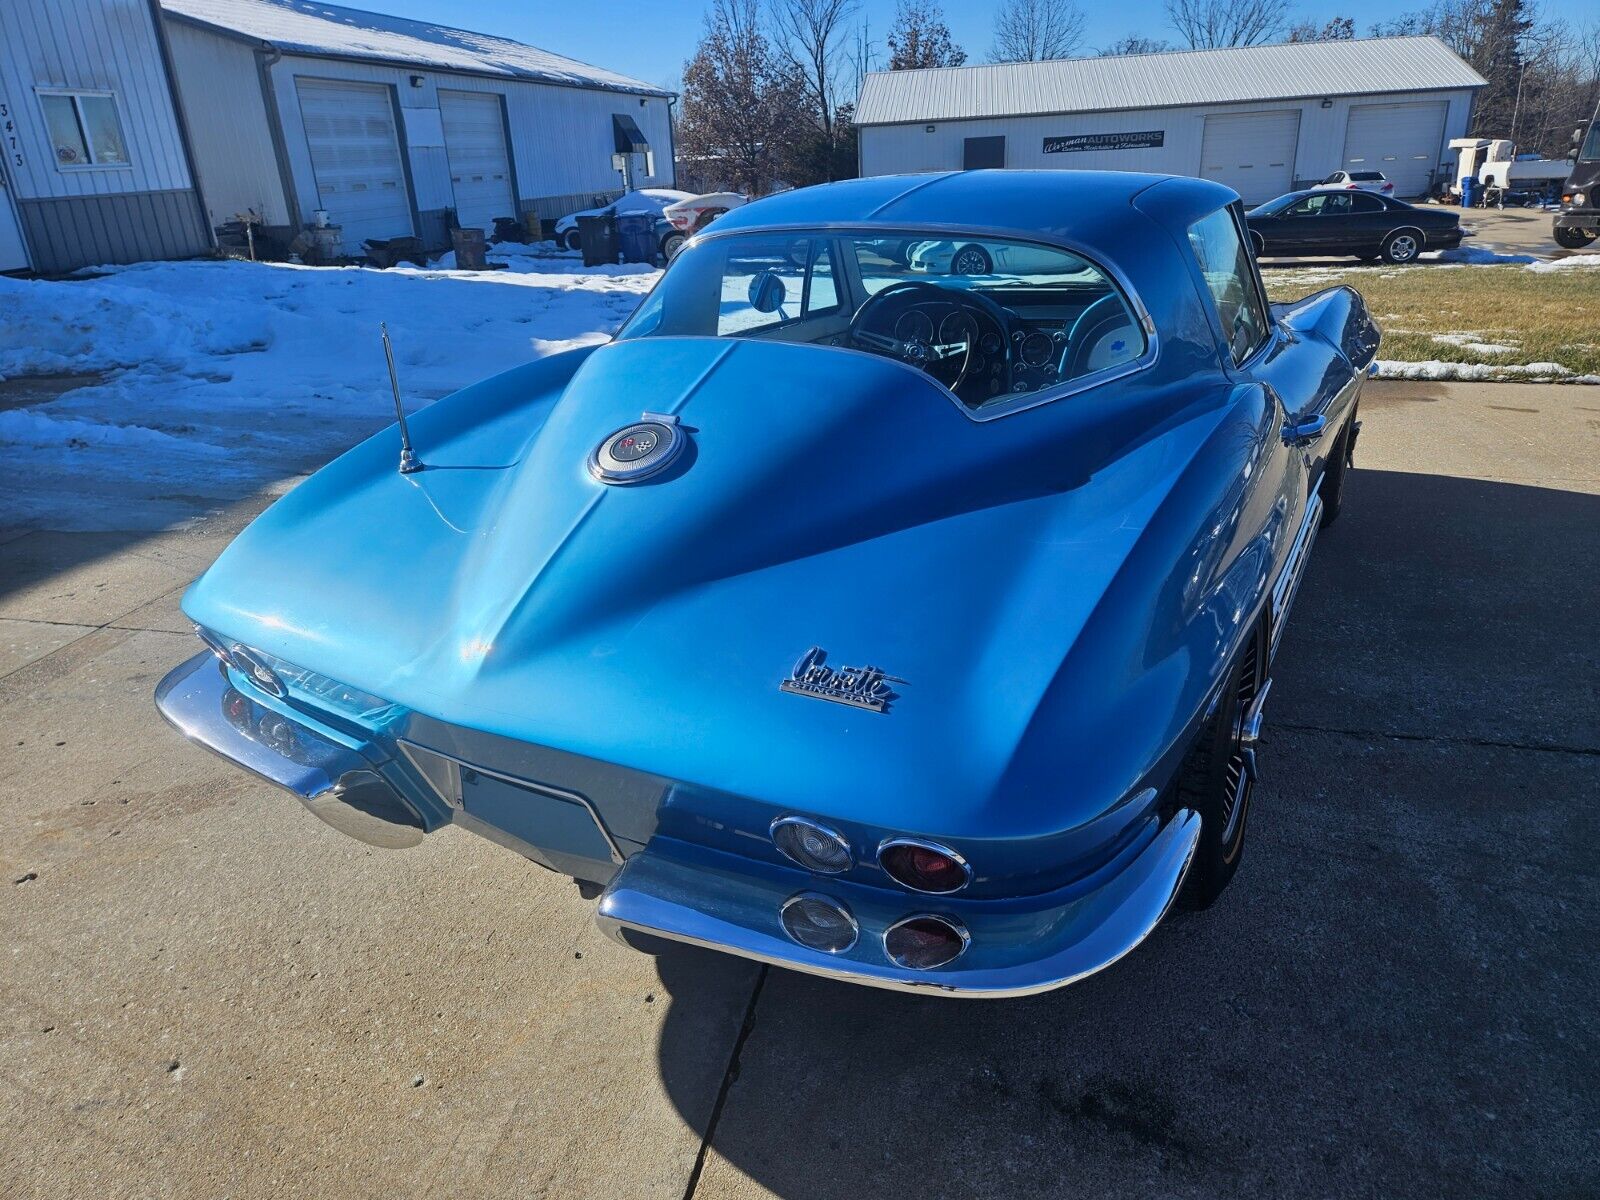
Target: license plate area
point(556, 829)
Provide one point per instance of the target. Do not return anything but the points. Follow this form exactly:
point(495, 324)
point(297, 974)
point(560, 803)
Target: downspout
point(267, 56)
point(672, 145)
point(165, 50)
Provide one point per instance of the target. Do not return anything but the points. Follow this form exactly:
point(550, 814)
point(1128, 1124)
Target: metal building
point(95, 167)
point(391, 126)
point(1262, 119)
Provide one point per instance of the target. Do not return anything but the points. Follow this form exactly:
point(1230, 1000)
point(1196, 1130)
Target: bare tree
point(1133, 43)
point(741, 105)
point(1209, 24)
point(1337, 29)
point(1035, 30)
point(813, 38)
point(920, 38)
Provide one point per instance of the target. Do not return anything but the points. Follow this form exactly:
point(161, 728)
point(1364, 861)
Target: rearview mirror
point(767, 292)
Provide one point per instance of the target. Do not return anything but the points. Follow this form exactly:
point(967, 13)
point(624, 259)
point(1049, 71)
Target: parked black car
point(1334, 223)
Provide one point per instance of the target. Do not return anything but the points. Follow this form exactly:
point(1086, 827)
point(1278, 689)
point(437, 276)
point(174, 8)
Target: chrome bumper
point(337, 782)
point(676, 891)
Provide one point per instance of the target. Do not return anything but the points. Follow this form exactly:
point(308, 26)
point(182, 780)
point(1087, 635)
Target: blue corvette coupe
point(911, 628)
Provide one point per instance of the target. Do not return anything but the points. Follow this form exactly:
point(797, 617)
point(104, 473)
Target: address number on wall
point(8, 130)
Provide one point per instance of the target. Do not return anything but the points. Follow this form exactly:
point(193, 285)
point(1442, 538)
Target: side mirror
point(767, 292)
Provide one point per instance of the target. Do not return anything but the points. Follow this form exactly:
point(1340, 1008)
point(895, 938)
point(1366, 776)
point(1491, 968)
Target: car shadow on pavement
point(1394, 998)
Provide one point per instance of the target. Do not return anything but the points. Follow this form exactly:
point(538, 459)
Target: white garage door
point(480, 171)
point(1403, 141)
point(1253, 153)
point(356, 159)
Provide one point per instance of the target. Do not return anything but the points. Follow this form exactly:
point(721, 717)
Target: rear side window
point(1361, 202)
point(1366, 176)
point(1225, 263)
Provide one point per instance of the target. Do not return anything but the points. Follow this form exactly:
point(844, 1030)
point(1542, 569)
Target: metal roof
point(331, 31)
point(1186, 77)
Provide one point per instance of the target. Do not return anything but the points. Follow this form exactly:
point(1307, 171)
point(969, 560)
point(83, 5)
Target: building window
point(84, 130)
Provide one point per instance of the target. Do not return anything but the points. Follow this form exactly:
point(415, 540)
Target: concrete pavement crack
point(729, 1077)
point(1481, 743)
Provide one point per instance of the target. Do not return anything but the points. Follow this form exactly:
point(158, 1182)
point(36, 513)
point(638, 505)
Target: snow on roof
point(329, 30)
point(1292, 69)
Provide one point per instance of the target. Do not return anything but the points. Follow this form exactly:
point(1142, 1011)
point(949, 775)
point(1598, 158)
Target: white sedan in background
point(694, 214)
point(646, 200)
point(1364, 181)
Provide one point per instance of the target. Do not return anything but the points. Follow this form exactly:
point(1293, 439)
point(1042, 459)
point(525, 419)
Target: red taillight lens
point(923, 866)
point(923, 943)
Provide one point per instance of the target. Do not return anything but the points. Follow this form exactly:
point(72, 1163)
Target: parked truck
point(1578, 222)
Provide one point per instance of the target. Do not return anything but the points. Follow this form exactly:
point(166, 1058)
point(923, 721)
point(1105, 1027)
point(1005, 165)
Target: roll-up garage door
point(480, 169)
point(1401, 140)
point(355, 157)
point(1253, 153)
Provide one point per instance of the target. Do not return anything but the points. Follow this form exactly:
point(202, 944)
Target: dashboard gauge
point(990, 343)
point(1037, 349)
point(914, 325)
point(957, 327)
point(977, 364)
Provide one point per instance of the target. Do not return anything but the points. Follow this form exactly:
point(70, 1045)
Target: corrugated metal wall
point(220, 89)
point(897, 149)
point(561, 137)
point(79, 216)
point(100, 45)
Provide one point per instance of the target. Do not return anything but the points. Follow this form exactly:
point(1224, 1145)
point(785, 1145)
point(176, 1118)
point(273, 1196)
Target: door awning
point(629, 138)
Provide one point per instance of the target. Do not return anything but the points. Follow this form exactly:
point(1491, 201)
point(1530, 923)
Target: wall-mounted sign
point(1144, 139)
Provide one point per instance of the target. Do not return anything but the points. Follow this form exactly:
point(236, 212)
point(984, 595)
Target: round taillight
point(923, 943)
point(814, 846)
point(819, 923)
point(924, 866)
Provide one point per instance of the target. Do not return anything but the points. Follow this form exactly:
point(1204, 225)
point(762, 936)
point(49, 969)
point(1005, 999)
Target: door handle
point(1302, 431)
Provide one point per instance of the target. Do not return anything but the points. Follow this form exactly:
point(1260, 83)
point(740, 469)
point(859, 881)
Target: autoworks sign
point(1144, 139)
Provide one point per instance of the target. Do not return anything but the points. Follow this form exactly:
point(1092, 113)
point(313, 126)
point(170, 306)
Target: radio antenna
point(409, 462)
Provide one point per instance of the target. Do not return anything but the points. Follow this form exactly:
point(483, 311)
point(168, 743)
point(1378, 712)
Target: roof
point(1293, 69)
point(330, 31)
point(1086, 206)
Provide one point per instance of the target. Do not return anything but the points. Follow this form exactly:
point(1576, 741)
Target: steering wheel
point(924, 355)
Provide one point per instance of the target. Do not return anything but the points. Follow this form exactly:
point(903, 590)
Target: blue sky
point(650, 39)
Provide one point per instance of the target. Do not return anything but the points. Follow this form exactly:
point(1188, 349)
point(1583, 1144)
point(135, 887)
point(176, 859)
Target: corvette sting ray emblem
point(859, 687)
point(638, 451)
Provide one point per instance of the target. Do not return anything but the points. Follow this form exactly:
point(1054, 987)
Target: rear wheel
point(570, 240)
point(1218, 778)
point(971, 260)
point(671, 244)
point(1339, 463)
point(1573, 239)
point(1402, 246)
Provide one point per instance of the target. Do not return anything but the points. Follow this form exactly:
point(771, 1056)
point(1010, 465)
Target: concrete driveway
point(207, 993)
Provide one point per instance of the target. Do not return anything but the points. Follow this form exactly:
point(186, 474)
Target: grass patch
point(1540, 316)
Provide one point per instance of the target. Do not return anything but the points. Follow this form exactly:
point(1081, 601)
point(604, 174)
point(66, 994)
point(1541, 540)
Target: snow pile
point(1547, 372)
point(1473, 342)
point(1478, 257)
point(1575, 262)
point(225, 375)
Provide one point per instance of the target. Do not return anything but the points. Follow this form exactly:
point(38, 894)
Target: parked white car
point(973, 258)
point(645, 200)
point(1365, 181)
point(694, 214)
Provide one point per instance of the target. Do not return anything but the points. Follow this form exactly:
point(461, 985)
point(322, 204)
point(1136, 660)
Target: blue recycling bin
point(1467, 184)
point(637, 233)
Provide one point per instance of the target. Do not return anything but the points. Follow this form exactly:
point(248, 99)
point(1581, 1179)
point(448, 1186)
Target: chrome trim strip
point(457, 808)
point(826, 830)
point(924, 844)
point(1287, 587)
point(950, 923)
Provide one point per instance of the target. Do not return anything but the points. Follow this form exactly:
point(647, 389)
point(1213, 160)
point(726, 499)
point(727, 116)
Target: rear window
point(1366, 176)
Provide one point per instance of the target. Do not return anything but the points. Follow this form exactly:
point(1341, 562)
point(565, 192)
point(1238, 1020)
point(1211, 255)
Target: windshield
point(1591, 145)
point(990, 319)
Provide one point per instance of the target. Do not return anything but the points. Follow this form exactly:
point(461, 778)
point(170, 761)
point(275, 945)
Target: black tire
point(1572, 239)
point(1402, 247)
point(1258, 243)
point(671, 244)
point(571, 240)
point(971, 259)
point(1335, 472)
point(1216, 780)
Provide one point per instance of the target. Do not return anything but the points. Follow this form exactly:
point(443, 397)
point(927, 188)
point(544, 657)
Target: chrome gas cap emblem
point(638, 451)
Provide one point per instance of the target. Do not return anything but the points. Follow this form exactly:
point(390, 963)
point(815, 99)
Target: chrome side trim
point(923, 843)
point(457, 807)
point(1288, 584)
